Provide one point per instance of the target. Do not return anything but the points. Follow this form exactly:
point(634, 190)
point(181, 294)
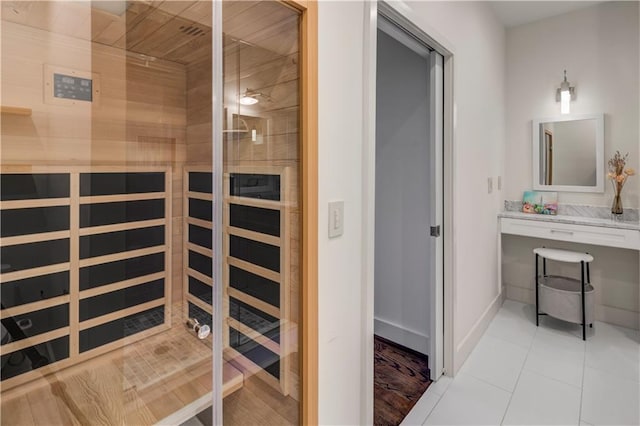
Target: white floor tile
point(615, 350)
point(514, 323)
point(470, 401)
point(609, 400)
point(418, 414)
point(441, 385)
point(557, 357)
point(496, 361)
point(539, 400)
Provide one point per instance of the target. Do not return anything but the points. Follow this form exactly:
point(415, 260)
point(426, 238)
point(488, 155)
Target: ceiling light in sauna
point(114, 7)
point(248, 100)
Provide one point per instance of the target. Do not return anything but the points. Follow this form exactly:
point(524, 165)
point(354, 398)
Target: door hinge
point(435, 231)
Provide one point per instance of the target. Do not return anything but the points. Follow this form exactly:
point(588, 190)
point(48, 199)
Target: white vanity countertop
point(574, 220)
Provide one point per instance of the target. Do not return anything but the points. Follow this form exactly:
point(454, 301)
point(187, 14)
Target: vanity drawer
point(585, 234)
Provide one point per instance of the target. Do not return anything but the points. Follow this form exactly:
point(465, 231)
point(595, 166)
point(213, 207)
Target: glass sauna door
point(261, 211)
point(106, 280)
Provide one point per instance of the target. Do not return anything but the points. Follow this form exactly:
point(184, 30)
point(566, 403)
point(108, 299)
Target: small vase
point(616, 207)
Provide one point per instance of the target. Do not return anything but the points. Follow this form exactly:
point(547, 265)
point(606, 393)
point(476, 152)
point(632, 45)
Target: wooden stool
point(563, 297)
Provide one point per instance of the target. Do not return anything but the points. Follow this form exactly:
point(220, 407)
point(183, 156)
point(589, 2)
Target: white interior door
point(436, 113)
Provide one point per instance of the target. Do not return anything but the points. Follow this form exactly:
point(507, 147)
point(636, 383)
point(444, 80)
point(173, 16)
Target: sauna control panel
point(70, 87)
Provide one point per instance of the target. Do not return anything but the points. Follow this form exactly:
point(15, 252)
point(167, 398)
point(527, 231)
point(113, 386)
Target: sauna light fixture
point(565, 94)
point(248, 100)
point(250, 97)
point(113, 7)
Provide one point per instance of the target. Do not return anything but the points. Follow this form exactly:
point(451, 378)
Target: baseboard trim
point(408, 338)
point(469, 342)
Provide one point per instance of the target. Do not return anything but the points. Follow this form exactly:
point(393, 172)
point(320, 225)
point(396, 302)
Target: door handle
point(435, 231)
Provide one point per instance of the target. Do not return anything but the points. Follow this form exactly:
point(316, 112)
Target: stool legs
point(584, 316)
point(537, 311)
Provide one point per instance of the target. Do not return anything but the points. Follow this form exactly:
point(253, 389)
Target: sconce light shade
point(565, 94)
point(248, 100)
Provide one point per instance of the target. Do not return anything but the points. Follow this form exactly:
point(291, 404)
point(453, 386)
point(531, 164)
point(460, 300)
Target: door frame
point(308, 329)
point(402, 15)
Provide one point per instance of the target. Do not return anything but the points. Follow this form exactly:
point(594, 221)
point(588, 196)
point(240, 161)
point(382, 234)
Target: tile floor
point(520, 374)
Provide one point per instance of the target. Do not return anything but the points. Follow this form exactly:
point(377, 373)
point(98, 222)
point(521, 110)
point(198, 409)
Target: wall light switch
point(489, 185)
point(336, 218)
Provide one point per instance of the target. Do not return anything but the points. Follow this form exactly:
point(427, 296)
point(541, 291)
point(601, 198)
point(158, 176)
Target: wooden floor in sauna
point(141, 383)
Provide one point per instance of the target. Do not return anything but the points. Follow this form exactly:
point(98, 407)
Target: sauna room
point(107, 213)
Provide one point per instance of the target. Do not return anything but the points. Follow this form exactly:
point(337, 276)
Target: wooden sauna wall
point(139, 117)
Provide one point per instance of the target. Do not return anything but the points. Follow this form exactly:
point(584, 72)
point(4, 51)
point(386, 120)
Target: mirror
point(568, 153)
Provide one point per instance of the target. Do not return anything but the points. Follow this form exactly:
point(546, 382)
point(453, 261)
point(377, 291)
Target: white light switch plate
point(336, 218)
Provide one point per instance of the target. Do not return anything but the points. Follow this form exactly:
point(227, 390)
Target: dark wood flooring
point(401, 376)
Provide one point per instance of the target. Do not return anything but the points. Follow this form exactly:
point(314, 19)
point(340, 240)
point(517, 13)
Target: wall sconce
point(250, 97)
point(565, 94)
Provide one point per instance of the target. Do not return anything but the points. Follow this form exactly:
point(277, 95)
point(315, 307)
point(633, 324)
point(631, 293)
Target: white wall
point(340, 50)
point(478, 40)
point(599, 47)
point(403, 191)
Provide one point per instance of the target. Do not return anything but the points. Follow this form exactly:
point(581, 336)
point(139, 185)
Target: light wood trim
point(26, 112)
point(200, 304)
point(141, 196)
point(199, 276)
point(40, 202)
point(121, 256)
point(33, 238)
point(35, 340)
point(255, 202)
point(103, 229)
point(64, 168)
point(168, 241)
point(74, 269)
point(257, 236)
point(34, 272)
point(254, 269)
point(201, 223)
point(200, 195)
point(254, 302)
point(201, 250)
point(93, 322)
point(255, 335)
point(309, 213)
point(97, 291)
point(34, 306)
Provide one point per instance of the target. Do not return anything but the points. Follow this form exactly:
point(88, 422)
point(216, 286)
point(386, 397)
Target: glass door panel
point(105, 242)
point(261, 213)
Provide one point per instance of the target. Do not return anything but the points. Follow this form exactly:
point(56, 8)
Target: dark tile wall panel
point(255, 252)
point(121, 299)
point(28, 290)
point(200, 236)
point(257, 353)
point(111, 331)
point(33, 255)
point(201, 182)
point(255, 285)
point(119, 212)
point(37, 322)
point(201, 290)
point(33, 220)
point(32, 358)
point(255, 318)
point(200, 263)
point(200, 209)
point(266, 187)
point(117, 242)
point(255, 219)
point(20, 186)
point(107, 273)
point(121, 183)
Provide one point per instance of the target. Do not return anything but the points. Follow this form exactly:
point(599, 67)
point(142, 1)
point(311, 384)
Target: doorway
point(408, 271)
